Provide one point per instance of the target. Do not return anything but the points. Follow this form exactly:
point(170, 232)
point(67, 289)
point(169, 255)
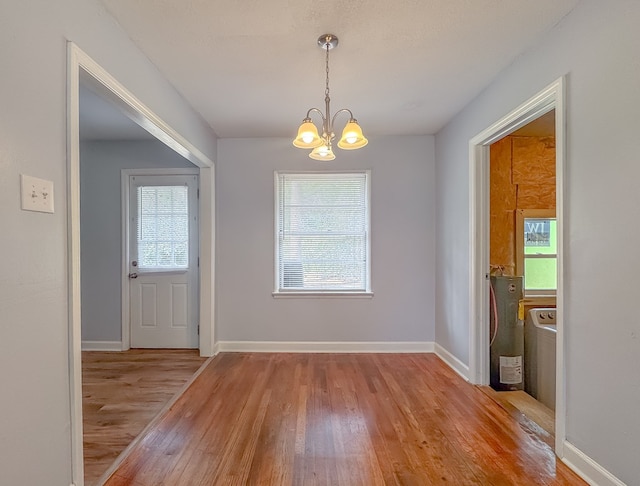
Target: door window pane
point(163, 227)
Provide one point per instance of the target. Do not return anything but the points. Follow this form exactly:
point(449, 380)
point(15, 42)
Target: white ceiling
point(252, 68)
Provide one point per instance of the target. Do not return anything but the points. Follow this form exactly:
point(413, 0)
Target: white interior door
point(163, 261)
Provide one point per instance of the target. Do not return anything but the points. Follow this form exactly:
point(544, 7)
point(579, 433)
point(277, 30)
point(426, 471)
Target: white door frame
point(81, 66)
point(553, 96)
point(126, 247)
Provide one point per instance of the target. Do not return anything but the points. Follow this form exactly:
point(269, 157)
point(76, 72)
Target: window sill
point(322, 295)
point(540, 300)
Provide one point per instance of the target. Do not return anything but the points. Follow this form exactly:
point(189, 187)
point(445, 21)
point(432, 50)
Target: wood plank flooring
point(520, 403)
point(121, 393)
point(347, 419)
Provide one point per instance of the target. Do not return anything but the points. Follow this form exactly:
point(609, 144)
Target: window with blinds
point(322, 232)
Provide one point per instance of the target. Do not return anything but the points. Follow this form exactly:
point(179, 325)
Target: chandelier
point(308, 137)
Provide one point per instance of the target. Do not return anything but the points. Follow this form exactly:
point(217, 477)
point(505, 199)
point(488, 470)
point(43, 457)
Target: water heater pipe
point(492, 298)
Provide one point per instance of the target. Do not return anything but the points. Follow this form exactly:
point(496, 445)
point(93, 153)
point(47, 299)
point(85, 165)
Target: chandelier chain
point(326, 90)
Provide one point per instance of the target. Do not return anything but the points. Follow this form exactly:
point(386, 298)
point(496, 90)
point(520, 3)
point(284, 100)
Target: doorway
point(82, 69)
point(160, 222)
point(551, 98)
point(523, 272)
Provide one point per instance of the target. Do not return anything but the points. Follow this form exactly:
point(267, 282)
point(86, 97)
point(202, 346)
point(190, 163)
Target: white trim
point(561, 397)
point(207, 215)
point(125, 205)
point(109, 88)
point(216, 348)
point(588, 469)
point(325, 347)
point(452, 362)
point(73, 251)
point(103, 346)
point(322, 295)
point(124, 251)
point(552, 97)
point(80, 65)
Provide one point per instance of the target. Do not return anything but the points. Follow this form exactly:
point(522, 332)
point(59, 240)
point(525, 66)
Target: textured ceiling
point(252, 68)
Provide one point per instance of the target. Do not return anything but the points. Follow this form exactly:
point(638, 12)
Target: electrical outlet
point(37, 194)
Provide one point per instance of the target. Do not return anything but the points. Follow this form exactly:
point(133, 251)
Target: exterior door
point(163, 261)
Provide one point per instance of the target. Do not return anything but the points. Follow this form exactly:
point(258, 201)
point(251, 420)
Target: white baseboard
point(325, 347)
point(454, 363)
point(588, 469)
point(102, 345)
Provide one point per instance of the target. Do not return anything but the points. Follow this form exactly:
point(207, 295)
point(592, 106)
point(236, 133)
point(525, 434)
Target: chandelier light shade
point(352, 137)
point(321, 144)
point(323, 152)
point(308, 137)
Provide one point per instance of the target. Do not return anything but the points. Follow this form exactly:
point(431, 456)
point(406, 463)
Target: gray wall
point(35, 437)
point(402, 246)
point(597, 46)
point(101, 227)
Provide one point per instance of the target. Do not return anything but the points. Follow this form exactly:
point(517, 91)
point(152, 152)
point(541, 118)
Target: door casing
point(80, 66)
point(552, 97)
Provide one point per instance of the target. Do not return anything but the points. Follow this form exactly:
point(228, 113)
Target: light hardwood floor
point(122, 393)
point(528, 411)
point(348, 419)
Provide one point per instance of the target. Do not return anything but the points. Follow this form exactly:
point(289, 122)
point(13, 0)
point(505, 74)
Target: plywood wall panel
point(503, 192)
point(502, 245)
point(522, 176)
point(537, 196)
point(533, 160)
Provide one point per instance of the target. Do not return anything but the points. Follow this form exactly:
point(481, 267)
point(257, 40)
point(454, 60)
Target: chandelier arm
point(333, 120)
point(317, 110)
point(324, 119)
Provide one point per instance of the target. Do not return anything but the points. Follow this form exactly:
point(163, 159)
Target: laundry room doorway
point(495, 142)
point(523, 272)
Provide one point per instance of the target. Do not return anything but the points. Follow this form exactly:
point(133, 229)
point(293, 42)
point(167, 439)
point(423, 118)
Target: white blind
point(163, 227)
point(322, 231)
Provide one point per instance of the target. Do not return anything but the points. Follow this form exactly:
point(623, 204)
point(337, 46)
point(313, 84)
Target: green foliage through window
point(540, 254)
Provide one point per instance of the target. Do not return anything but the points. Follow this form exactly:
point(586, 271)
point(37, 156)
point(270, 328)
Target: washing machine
point(540, 355)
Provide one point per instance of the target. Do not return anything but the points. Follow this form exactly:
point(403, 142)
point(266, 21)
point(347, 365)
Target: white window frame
point(277, 292)
point(521, 216)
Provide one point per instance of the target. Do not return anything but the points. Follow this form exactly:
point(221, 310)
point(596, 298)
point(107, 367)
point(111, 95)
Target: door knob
point(133, 275)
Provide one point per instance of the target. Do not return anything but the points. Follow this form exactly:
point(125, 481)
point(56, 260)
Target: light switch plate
point(37, 194)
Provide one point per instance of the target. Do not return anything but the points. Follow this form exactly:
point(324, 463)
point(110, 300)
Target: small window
point(322, 232)
point(537, 251)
